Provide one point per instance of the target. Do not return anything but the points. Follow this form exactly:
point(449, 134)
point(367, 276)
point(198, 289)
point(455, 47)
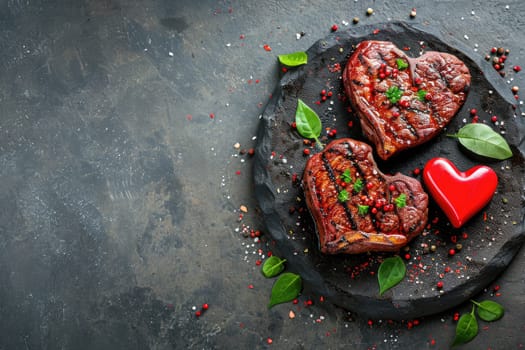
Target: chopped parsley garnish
point(346, 176)
point(401, 201)
point(362, 209)
point(343, 196)
point(401, 64)
point(422, 95)
point(394, 94)
point(358, 185)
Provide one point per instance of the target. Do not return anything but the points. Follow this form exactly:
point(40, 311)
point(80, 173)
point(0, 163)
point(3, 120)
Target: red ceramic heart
point(459, 194)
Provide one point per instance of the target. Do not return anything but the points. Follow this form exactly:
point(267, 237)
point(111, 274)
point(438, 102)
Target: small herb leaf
point(489, 310)
point(273, 266)
point(307, 121)
point(466, 329)
point(358, 185)
point(391, 271)
point(484, 141)
point(422, 95)
point(343, 196)
point(401, 64)
point(346, 176)
point(293, 59)
point(286, 288)
point(401, 200)
point(362, 209)
point(394, 94)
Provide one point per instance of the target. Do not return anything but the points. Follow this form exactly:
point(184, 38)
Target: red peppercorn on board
point(445, 265)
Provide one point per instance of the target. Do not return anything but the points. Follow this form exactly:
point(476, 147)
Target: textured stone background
point(121, 182)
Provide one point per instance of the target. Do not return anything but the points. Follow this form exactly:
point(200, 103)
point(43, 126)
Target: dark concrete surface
point(122, 131)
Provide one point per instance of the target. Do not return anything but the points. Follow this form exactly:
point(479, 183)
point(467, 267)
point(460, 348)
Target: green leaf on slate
point(484, 141)
point(391, 271)
point(273, 266)
point(293, 59)
point(466, 329)
point(489, 310)
point(286, 288)
point(307, 121)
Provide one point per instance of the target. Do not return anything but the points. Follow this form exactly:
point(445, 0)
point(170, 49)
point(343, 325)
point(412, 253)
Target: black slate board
point(489, 241)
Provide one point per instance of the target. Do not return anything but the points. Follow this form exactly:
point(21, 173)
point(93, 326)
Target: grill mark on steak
point(333, 178)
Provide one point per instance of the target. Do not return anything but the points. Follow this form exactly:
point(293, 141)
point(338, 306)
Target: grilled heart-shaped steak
point(401, 101)
point(356, 208)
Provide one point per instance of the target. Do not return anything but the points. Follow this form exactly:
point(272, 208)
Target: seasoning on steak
point(356, 208)
point(401, 101)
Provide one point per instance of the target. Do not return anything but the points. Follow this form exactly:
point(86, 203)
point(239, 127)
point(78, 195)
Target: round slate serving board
point(488, 242)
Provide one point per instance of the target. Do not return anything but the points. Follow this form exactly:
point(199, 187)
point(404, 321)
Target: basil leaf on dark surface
point(294, 59)
point(286, 288)
point(484, 141)
point(273, 266)
point(307, 121)
point(489, 310)
point(466, 329)
point(391, 271)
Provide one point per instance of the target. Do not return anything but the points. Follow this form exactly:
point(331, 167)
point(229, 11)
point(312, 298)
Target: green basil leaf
point(286, 288)
point(391, 271)
point(294, 59)
point(482, 140)
point(307, 121)
point(273, 266)
point(466, 329)
point(489, 310)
